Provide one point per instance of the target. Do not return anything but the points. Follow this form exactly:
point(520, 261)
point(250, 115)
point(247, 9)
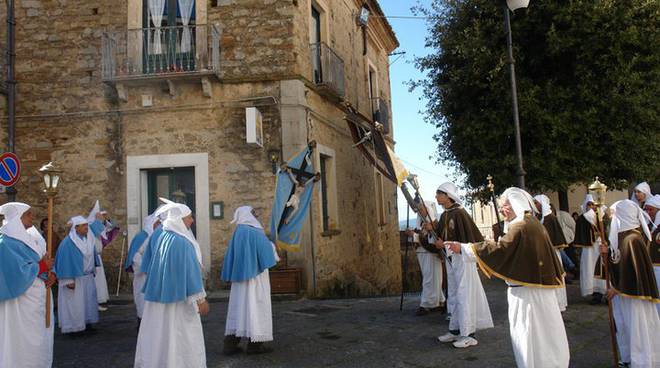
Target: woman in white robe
point(25, 341)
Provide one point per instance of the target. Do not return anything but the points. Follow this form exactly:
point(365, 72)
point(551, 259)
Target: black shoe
point(421, 311)
point(258, 348)
point(231, 345)
point(596, 298)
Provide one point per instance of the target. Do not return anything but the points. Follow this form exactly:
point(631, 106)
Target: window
point(325, 165)
point(380, 200)
point(315, 39)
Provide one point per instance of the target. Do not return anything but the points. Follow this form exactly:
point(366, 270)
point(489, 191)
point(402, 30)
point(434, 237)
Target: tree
point(588, 74)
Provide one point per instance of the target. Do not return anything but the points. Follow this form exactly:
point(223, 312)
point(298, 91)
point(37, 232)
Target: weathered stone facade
point(104, 133)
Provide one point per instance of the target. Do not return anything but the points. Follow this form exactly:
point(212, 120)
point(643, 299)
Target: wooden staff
point(605, 263)
point(49, 243)
point(121, 262)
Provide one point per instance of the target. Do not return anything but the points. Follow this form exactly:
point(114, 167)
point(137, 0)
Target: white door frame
point(134, 197)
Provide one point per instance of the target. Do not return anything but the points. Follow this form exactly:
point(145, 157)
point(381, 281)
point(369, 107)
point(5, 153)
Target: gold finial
point(597, 190)
point(491, 186)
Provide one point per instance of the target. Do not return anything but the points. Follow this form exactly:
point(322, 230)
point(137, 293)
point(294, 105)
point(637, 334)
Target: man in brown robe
point(592, 277)
point(634, 291)
point(525, 259)
point(467, 301)
point(652, 208)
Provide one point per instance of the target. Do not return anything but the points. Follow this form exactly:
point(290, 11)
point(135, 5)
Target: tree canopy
point(588, 75)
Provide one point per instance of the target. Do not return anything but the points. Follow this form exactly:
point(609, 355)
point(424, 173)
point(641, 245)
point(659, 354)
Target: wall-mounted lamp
point(274, 157)
point(363, 18)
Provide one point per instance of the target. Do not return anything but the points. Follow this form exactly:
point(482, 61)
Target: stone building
point(137, 99)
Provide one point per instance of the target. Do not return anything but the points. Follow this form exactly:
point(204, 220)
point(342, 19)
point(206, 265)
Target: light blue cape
point(150, 249)
point(136, 243)
point(19, 265)
point(249, 253)
point(69, 261)
point(174, 274)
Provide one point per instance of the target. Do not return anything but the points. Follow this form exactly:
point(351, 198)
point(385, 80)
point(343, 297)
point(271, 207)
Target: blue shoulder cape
point(249, 253)
point(150, 249)
point(175, 273)
point(69, 260)
point(136, 243)
point(19, 265)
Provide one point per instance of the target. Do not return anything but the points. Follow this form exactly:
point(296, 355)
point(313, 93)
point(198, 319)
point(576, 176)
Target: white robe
point(171, 336)
point(470, 310)
point(588, 283)
point(537, 330)
point(451, 286)
point(638, 331)
point(249, 313)
point(431, 266)
point(562, 300)
point(78, 307)
point(139, 279)
point(24, 339)
point(102, 294)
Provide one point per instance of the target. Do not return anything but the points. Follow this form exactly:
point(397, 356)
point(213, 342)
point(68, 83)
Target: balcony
point(380, 111)
point(327, 70)
point(162, 53)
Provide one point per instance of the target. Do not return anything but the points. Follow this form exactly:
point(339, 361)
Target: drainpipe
point(11, 87)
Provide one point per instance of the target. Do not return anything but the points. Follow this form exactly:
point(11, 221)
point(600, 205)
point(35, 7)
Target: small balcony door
point(169, 46)
point(316, 46)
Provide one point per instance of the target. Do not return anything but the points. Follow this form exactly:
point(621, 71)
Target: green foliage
point(588, 74)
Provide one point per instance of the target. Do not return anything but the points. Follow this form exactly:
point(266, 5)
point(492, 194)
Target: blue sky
point(413, 136)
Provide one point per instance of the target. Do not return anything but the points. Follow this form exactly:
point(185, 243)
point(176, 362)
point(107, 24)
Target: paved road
point(349, 333)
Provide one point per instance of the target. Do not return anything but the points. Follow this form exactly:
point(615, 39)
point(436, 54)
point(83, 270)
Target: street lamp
point(513, 5)
point(51, 176)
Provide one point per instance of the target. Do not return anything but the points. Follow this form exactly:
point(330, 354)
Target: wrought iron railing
point(160, 51)
point(327, 68)
point(381, 113)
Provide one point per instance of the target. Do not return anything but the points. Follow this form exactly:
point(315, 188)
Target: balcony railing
point(161, 52)
point(381, 113)
point(327, 69)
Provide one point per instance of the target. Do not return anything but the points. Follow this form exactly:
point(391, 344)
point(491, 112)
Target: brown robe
point(555, 232)
point(654, 249)
point(633, 275)
point(523, 256)
point(585, 233)
point(455, 224)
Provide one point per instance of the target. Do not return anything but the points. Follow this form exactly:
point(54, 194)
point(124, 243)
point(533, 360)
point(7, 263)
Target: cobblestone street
point(349, 333)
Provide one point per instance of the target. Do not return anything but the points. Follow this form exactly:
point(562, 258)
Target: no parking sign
point(10, 169)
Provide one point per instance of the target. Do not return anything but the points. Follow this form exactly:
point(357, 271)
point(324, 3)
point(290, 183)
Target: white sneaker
point(465, 341)
point(102, 308)
point(448, 337)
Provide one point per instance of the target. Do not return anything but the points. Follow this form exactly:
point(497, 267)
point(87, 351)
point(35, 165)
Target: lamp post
point(51, 176)
point(597, 191)
point(513, 5)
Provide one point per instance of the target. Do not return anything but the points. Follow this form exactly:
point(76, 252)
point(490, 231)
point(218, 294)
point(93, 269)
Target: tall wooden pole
point(50, 253)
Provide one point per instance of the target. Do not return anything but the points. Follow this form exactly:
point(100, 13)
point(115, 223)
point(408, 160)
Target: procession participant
point(150, 249)
point(652, 208)
point(634, 291)
point(75, 263)
point(586, 238)
point(171, 332)
point(525, 259)
point(641, 194)
point(568, 257)
point(552, 226)
point(470, 311)
point(430, 263)
point(24, 339)
point(249, 256)
point(134, 261)
point(107, 235)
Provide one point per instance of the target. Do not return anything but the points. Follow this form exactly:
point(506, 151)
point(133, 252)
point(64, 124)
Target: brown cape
point(555, 232)
point(523, 256)
point(456, 225)
point(585, 233)
point(633, 275)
